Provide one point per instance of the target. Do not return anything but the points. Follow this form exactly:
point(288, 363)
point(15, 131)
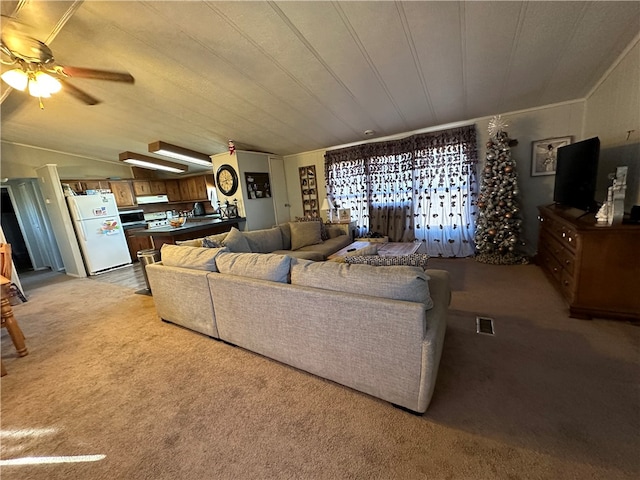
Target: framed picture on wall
point(544, 155)
point(258, 185)
point(309, 191)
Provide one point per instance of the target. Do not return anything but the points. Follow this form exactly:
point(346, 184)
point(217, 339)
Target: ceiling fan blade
point(79, 72)
point(79, 94)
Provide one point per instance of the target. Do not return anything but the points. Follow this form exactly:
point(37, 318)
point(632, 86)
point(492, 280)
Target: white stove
point(156, 219)
point(157, 223)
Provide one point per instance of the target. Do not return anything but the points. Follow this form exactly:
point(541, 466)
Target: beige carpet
point(547, 397)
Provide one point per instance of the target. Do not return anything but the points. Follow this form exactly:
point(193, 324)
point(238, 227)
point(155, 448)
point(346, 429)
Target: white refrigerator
point(99, 231)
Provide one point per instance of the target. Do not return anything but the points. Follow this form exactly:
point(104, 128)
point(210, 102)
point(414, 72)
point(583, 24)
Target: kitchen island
point(193, 228)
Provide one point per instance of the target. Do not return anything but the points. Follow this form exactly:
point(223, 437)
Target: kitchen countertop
point(191, 225)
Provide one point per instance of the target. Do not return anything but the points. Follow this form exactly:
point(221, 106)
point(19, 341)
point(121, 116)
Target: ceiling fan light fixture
point(48, 83)
point(16, 78)
point(180, 153)
point(151, 163)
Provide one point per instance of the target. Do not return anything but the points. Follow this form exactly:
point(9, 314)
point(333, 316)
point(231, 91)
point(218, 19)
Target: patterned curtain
point(420, 187)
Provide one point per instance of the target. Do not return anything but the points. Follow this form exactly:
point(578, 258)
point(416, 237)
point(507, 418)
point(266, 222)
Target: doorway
point(26, 226)
point(13, 234)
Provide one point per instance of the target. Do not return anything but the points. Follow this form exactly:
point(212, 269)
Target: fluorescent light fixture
point(42, 460)
point(151, 163)
point(173, 151)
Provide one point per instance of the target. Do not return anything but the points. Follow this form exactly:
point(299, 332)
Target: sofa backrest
point(397, 282)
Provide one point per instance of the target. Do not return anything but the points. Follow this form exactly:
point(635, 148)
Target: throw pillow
point(285, 231)
point(324, 235)
point(197, 258)
point(214, 241)
point(414, 259)
point(304, 233)
point(263, 266)
point(264, 241)
point(235, 241)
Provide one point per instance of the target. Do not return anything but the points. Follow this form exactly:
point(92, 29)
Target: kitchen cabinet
point(136, 243)
point(195, 188)
point(173, 190)
point(157, 187)
point(94, 185)
point(81, 186)
point(123, 193)
point(141, 188)
point(149, 187)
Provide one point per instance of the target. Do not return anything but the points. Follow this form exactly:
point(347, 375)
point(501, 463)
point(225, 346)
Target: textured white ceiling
point(287, 77)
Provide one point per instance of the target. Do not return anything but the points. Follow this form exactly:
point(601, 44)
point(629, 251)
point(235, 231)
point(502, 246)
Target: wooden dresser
point(596, 268)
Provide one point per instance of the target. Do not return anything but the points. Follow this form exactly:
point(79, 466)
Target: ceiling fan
point(36, 70)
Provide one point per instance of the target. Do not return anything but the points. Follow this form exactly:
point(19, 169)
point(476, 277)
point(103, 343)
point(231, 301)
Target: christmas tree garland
point(499, 224)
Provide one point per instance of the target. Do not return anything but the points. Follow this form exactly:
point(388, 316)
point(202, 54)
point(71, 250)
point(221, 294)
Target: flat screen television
point(576, 175)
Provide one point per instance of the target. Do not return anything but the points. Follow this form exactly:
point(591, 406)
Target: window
point(420, 187)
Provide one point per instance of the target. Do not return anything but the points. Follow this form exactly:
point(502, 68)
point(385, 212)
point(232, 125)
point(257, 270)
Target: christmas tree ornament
point(497, 125)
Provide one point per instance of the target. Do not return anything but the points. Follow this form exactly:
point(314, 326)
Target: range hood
point(146, 199)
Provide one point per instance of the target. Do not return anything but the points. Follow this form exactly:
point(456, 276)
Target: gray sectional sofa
point(378, 330)
point(308, 240)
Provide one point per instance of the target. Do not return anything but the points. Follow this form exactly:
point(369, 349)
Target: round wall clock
point(227, 180)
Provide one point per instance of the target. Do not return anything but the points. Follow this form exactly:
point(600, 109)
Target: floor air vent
point(484, 325)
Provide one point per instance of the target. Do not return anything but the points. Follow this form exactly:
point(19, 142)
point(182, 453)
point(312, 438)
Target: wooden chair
point(8, 320)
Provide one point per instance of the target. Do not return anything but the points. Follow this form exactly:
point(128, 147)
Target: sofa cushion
point(333, 231)
point(198, 258)
point(263, 266)
point(236, 242)
point(304, 254)
point(328, 247)
point(398, 282)
point(414, 259)
point(264, 241)
point(304, 234)
point(196, 242)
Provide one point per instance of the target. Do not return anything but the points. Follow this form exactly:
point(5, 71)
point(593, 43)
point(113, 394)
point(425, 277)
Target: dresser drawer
point(567, 285)
point(568, 236)
point(551, 264)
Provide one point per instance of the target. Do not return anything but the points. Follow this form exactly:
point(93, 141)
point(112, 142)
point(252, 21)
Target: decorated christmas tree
point(499, 224)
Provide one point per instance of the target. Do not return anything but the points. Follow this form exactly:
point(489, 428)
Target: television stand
point(594, 267)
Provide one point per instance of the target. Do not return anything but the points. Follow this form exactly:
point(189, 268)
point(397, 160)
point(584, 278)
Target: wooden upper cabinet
point(81, 186)
point(157, 187)
point(172, 188)
point(123, 193)
point(141, 187)
point(195, 188)
point(94, 185)
point(185, 191)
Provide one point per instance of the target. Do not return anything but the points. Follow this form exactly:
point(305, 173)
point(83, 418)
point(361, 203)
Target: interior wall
point(56, 206)
point(613, 114)
point(21, 161)
point(291, 165)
